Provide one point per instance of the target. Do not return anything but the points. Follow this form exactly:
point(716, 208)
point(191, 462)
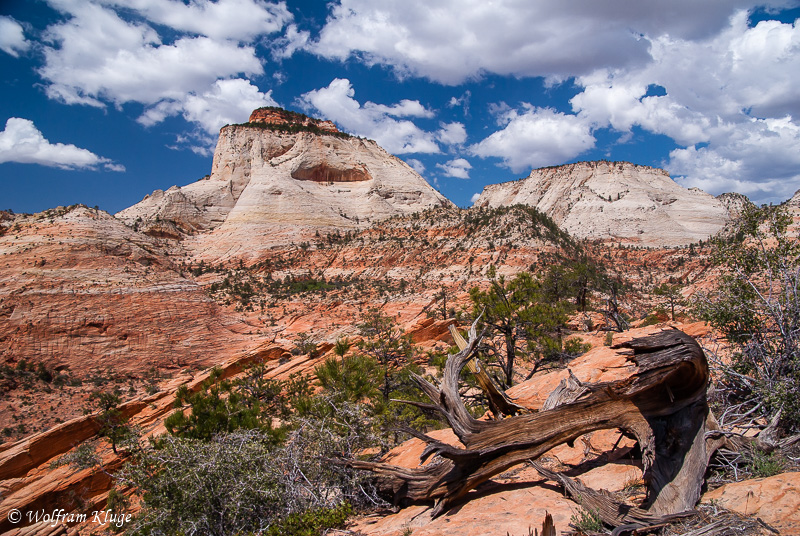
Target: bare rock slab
point(776, 500)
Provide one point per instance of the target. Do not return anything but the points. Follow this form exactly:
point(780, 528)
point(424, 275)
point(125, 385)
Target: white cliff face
point(793, 208)
point(268, 187)
point(794, 201)
point(615, 201)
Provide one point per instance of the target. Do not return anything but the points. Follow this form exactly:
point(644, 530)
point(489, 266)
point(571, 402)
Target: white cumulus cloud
point(100, 57)
point(336, 102)
point(731, 102)
point(416, 165)
point(759, 159)
point(452, 133)
point(12, 37)
point(174, 58)
point(241, 20)
point(723, 76)
point(451, 41)
point(458, 168)
point(23, 143)
point(225, 102)
point(536, 137)
point(404, 108)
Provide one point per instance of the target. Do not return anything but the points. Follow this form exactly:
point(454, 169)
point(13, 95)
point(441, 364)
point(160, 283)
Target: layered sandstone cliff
point(615, 201)
point(80, 290)
point(280, 178)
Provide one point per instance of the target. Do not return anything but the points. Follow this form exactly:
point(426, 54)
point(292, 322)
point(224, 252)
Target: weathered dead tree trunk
point(662, 405)
point(499, 403)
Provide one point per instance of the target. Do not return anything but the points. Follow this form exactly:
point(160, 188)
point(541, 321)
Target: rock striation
point(80, 290)
point(616, 201)
point(283, 177)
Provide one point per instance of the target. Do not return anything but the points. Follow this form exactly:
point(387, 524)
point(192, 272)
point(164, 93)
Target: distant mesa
point(618, 202)
point(286, 177)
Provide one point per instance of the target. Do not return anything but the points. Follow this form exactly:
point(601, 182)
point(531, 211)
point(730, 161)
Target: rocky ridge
point(615, 201)
point(793, 207)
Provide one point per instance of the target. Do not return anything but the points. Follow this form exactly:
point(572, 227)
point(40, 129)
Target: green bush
point(241, 482)
point(113, 424)
point(312, 522)
point(226, 469)
point(757, 308)
point(355, 378)
point(520, 314)
point(586, 521)
point(222, 406)
point(763, 464)
point(575, 347)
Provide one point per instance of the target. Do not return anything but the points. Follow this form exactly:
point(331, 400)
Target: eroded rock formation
point(281, 178)
point(80, 288)
point(279, 117)
point(615, 201)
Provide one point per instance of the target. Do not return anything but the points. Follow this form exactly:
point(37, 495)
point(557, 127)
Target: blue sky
point(103, 101)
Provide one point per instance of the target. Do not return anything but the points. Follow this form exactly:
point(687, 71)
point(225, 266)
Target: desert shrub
point(304, 345)
point(225, 468)
point(81, 457)
point(756, 306)
point(224, 406)
point(586, 521)
point(520, 315)
point(43, 373)
point(652, 319)
point(575, 347)
point(242, 482)
point(354, 378)
point(763, 464)
point(360, 379)
point(312, 522)
point(113, 425)
point(670, 296)
point(225, 486)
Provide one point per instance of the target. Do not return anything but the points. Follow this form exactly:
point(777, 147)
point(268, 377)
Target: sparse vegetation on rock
point(527, 323)
point(757, 307)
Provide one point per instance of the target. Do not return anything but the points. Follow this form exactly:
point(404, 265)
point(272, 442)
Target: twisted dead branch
point(663, 405)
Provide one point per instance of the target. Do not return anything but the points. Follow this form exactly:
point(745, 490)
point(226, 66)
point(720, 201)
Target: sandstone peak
point(615, 201)
point(271, 115)
point(283, 177)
